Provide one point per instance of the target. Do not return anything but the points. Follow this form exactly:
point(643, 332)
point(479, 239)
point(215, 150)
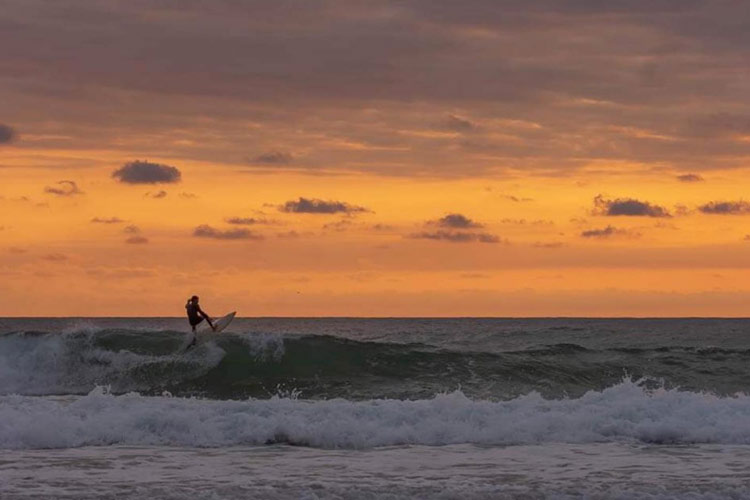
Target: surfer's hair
point(194, 297)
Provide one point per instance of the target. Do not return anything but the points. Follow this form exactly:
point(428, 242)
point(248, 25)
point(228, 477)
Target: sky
point(360, 158)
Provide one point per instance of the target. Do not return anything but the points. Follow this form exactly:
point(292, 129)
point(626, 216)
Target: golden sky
point(356, 158)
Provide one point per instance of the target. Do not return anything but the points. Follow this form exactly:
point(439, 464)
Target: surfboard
point(219, 324)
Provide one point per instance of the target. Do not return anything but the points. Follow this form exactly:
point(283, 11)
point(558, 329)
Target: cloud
point(7, 134)
point(726, 208)
point(206, 231)
point(315, 206)
point(274, 158)
point(188, 196)
point(456, 221)
point(551, 244)
point(607, 232)
point(628, 207)
point(340, 225)
point(55, 257)
point(458, 124)
point(143, 172)
point(245, 221)
point(516, 198)
point(136, 240)
point(456, 236)
point(157, 195)
point(107, 220)
point(131, 229)
point(66, 188)
point(690, 178)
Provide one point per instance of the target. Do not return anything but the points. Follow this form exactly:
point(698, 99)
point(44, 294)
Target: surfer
point(195, 314)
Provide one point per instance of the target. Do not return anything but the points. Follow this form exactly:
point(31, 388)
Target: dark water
point(359, 359)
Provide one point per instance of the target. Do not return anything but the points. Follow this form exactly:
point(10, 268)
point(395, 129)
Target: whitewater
point(366, 408)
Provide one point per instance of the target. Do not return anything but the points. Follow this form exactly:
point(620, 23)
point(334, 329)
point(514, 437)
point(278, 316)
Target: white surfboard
point(219, 324)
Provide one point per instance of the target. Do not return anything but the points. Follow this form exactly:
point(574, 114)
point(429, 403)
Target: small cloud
point(17, 250)
point(143, 172)
point(107, 220)
point(188, 196)
point(131, 229)
point(7, 134)
point(456, 236)
point(607, 232)
point(690, 178)
point(55, 257)
point(516, 198)
point(456, 221)
point(383, 227)
point(136, 240)
point(315, 206)
point(157, 195)
point(288, 234)
point(458, 124)
point(65, 188)
point(475, 276)
point(726, 208)
point(274, 158)
point(551, 244)
point(341, 225)
point(245, 221)
point(206, 231)
point(627, 207)
point(747, 237)
point(523, 222)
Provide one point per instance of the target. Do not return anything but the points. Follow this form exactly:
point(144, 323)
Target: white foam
point(625, 412)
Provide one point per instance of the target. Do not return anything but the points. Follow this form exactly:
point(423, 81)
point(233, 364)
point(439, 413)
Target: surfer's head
point(194, 299)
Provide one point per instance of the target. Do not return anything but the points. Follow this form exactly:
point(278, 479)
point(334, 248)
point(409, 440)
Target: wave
point(255, 364)
point(626, 412)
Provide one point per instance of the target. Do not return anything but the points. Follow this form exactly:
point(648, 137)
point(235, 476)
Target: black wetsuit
point(194, 313)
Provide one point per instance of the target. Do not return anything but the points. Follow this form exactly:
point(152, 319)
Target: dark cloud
point(315, 206)
point(107, 220)
point(7, 134)
point(726, 208)
point(628, 207)
point(143, 172)
point(65, 188)
point(245, 221)
point(157, 195)
point(206, 231)
point(131, 229)
point(606, 232)
point(136, 240)
point(188, 196)
point(690, 178)
point(456, 221)
point(274, 158)
point(456, 236)
point(458, 124)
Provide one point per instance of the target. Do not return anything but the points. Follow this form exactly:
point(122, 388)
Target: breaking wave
point(626, 412)
point(235, 366)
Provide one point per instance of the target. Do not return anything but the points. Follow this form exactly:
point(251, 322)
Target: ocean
point(351, 408)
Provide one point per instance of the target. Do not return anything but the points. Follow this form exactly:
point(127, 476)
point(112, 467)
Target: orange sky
point(418, 158)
